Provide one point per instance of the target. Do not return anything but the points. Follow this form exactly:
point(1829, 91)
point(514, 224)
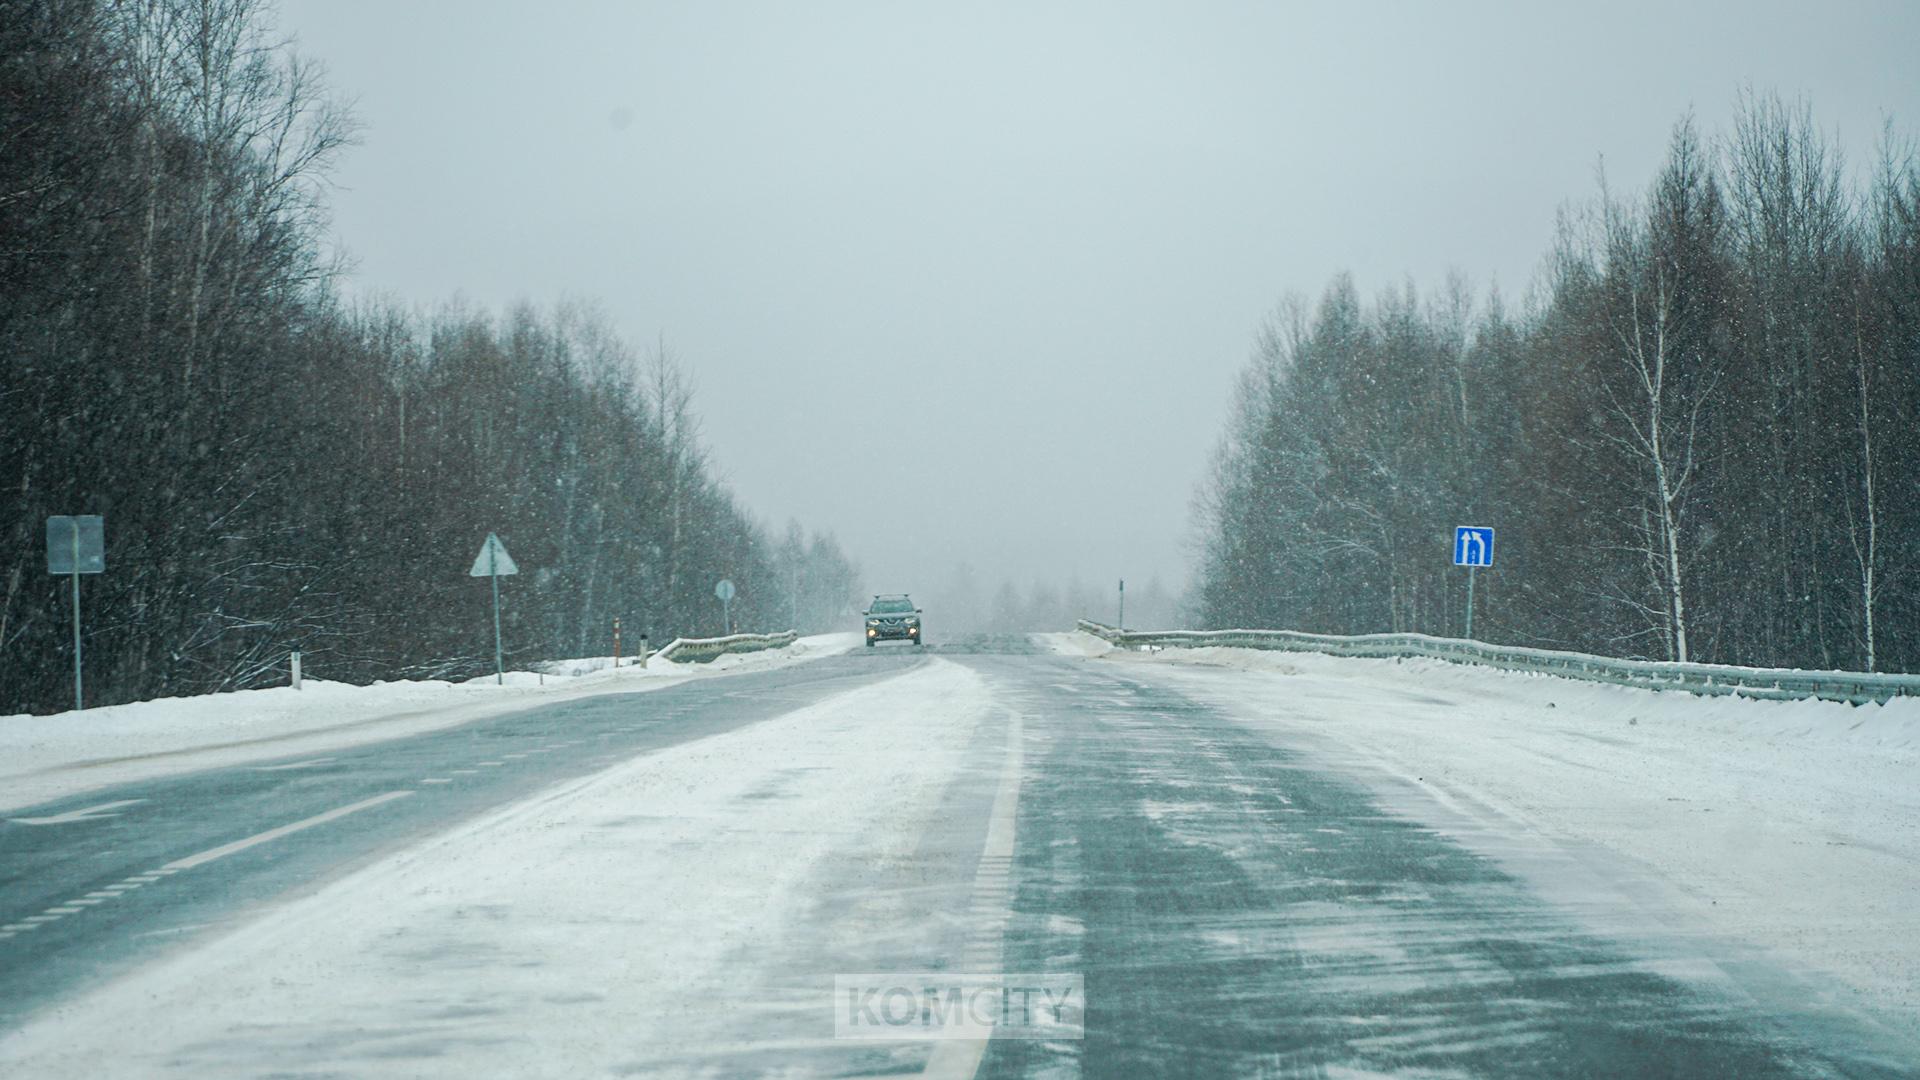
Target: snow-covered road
point(1259, 865)
point(1783, 832)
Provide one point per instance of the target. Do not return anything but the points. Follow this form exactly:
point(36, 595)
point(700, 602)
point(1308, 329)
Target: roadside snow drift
point(43, 758)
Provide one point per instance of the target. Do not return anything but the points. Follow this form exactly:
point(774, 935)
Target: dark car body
point(892, 618)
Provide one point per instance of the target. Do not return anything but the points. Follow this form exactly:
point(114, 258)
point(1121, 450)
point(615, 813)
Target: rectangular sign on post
point(1473, 549)
point(76, 545)
point(1473, 545)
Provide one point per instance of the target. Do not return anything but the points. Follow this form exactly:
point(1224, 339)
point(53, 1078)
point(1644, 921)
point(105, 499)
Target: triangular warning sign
point(493, 559)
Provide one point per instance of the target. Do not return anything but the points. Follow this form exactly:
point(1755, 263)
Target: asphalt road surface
point(1233, 910)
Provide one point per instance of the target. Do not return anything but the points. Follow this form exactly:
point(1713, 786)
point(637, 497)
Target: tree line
point(1697, 438)
point(281, 469)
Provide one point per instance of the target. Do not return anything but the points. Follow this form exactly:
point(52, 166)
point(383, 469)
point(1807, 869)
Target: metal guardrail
point(1711, 679)
point(701, 650)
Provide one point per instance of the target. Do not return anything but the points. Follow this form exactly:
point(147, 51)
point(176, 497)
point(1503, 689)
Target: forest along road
point(668, 884)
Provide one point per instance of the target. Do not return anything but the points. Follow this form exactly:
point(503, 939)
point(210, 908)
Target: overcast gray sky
point(972, 282)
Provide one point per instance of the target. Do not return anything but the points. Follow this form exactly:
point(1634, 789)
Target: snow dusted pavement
point(1783, 828)
point(1235, 857)
point(644, 917)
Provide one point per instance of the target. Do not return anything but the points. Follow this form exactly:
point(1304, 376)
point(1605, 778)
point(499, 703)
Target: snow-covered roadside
point(43, 758)
point(1786, 831)
point(622, 923)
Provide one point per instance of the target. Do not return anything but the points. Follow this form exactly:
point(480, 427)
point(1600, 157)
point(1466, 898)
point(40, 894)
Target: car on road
point(892, 618)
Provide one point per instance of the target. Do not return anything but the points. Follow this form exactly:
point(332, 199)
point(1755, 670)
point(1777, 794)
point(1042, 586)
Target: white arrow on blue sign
point(1472, 545)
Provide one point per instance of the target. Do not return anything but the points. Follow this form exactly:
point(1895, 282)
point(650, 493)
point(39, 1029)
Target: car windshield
point(898, 606)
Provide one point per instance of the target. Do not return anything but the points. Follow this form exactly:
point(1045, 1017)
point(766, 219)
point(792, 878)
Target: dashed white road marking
point(173, 930)
point(336, 813)
point(437, 780)
point(91, 813)
point(307, 764)
point(465, 772)
point(489, 764)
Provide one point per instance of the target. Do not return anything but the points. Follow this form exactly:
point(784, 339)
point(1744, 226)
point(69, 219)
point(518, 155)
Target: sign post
point(1473, 549)
point(724, 590)
point(75, 546)
point(493, 562)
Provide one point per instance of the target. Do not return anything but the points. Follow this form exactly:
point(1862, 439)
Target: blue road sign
point(1473, 545)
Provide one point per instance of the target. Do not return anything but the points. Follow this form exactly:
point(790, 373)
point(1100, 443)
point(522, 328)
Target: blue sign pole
point(1470, 571)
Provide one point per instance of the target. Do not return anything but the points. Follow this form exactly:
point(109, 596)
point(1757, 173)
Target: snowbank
point(1782, 829)
point(50, 757)
point(1074, 644)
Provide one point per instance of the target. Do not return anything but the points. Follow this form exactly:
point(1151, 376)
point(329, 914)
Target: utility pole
point(1122, 624)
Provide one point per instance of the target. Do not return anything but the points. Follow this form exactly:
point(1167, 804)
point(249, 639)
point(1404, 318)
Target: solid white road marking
point(960, 1059)
point(225, 850)
point(89, 814)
